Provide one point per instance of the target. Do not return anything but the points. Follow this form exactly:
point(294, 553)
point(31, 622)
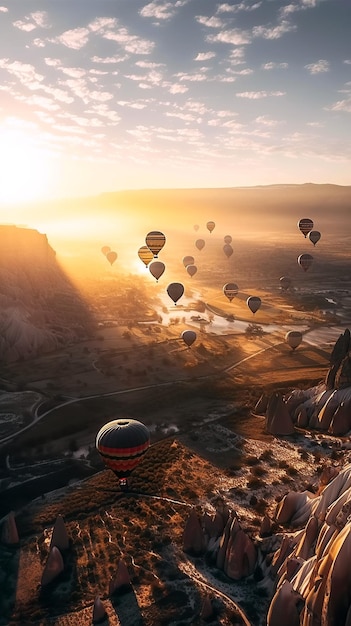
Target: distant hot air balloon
point(196, 227)
point(305, 225)
point(228, 250)
point(145, 255)
point(188, 336)
point(175, 291)
point(111, 256)
point(200, 243)
point(122, 443)
point(230, 290)
point(191, 269)
point(314, 236)
point(254, 303)
point(188, 260)
point(105, 250)
point(156, 269)
point(210, 226)
point(285, 282)
point(305, 261)
point(228, 239)
point(155, 240)
point(293, 338)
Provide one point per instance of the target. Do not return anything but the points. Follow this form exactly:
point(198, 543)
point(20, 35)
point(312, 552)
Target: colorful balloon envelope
point(122, 443)
point(293, 338)
point(230, 290)
point(111, 257)
point(285, 282)
point(314, 236)
point(305, 261)
point(188, 336)
point(105, 250)
point(200, 243)
point(155, 240)
point(175, 291)
point(191, 269)
point(156, 269)
point(228, 250)
point(210, 226)
point(188, 260)
point(228, 239)
point(305, 225)
point(254, 303)
point(145, 255)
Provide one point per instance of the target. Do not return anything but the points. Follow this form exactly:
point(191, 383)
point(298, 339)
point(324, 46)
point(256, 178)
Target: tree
point(254, 331)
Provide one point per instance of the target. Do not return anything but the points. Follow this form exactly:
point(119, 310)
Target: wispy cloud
point(274, 66)
point(273, 32)
point(210, 22)
point(319, 67)
point(341, 105)
point(256, 95)
point(38, 19)
point(204, 56)
point(3, 10)
point(161, 10)
point(234, 36)
point(235, 8)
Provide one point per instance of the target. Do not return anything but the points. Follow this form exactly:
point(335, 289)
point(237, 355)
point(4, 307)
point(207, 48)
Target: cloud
point(274, 66)
point(265, 120)
point(24, 72)
point(161, 10)
point(101, 24)
point(210, 22)
point(274, 32)
point(4, 10)
point(234, 36)
point(177, 88)
point(34, 20)
point(204, 56)
point(108, 60)
point(196, 78)
point(235, 8)
point(341, 105)
point(255, 95)
point(131, 43)
point(347, 61)
point(318, 68)
point(75, 39)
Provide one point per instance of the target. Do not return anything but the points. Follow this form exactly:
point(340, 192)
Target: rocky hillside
point(40, 309)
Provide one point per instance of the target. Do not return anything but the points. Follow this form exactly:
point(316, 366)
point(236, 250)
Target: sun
point(24, 168)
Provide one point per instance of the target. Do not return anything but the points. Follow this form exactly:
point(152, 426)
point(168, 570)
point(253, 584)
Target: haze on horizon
point(100, 96)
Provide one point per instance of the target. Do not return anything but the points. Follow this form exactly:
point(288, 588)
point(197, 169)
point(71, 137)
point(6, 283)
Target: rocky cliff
point(40, 310)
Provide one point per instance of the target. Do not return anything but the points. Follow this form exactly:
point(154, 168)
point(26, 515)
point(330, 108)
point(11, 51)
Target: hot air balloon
point(188, 336)
point(196, 227)
point(314, 236)
point(155, 240)
point(305, 225)
point(105, 250)
point(191, 269)
point(156, 269)
point(175, 291)
point(228, 250)
point(293, 338)
point(230, 290)
point(285, 282)
point(228, 239)
point(210, 226)
point(122, 443)
point(145, 255)
point(254, 303)
point(188, 260)
point(305, 261)
point(200, 243)
point(111, 256)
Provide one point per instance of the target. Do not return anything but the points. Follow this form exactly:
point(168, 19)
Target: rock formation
point(325, 407)
point(59, 536)
point(121, 582)
point(99, 611)
point(9, 533)
point(40, 310)
point(53, 568)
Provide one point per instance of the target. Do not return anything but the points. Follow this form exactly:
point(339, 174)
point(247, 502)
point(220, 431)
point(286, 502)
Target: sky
point(105, 95)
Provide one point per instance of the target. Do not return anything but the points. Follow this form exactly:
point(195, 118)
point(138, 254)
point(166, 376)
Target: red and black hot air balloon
point(122, 443)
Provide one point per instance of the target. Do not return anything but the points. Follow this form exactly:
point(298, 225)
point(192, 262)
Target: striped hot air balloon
point(155, 240)
point(122, 443)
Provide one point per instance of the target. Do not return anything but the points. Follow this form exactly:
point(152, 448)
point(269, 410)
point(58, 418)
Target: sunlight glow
point(24, 168)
